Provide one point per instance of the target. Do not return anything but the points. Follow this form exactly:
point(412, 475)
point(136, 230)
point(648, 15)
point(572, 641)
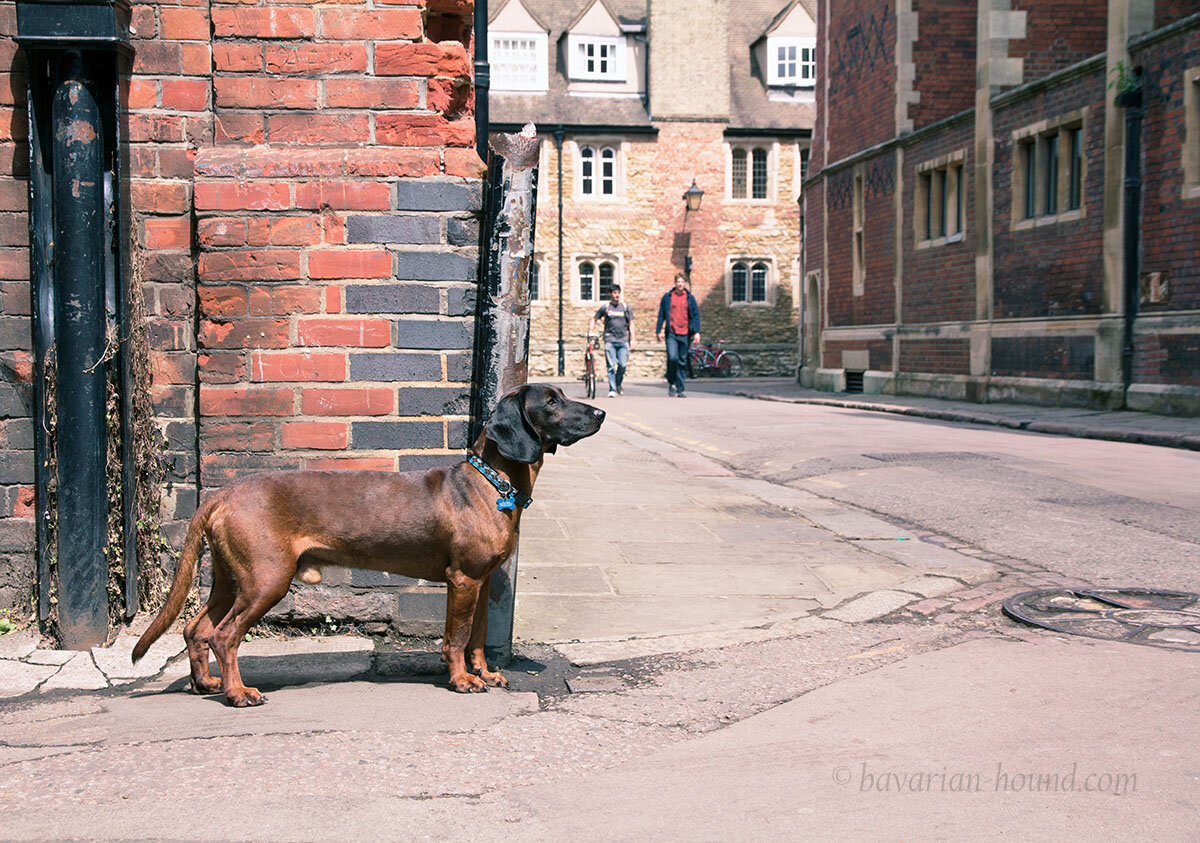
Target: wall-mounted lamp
point(691, 198)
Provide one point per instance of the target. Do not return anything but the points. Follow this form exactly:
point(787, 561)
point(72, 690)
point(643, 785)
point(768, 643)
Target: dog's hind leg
point(200, 628)
point(475, 655)
point(258, 589)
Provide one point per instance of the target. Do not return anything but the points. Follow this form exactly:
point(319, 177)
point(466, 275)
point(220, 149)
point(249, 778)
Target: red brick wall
point(1051, 269)
point(877, 304)
point(1168, 220)
point(1059, 34)
point(862, 76)
point(938, 357)
point(303, 189)
point(1170, 11)
point(879, 353)
point(944, 55)
point(939, 281)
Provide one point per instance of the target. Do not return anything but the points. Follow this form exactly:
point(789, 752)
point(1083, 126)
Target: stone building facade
point(304, 194)
point(630, 137)
point(968, 230)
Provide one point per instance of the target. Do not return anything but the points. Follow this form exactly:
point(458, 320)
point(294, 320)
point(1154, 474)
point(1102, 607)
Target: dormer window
point(518, 61)
point(596, 58)
point(792, 61)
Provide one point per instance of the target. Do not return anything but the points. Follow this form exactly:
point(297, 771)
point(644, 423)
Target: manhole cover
point(1136, 615)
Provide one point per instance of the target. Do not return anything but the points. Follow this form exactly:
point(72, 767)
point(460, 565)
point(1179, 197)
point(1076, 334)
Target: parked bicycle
point(589, 363)
point(715, 361)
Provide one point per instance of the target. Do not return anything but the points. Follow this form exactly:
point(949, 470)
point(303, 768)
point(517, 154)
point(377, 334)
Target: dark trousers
point(677, 355)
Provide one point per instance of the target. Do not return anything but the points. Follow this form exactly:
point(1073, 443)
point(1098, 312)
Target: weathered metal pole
point(502, 350)
point(1131, 101)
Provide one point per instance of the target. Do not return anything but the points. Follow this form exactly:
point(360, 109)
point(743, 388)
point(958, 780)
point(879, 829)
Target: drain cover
point(1136, 615)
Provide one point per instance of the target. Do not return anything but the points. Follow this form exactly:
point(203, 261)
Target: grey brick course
point(395, 367)
point(15, 333)
point(18, 434)
point(16, 400)
point(460, 301)
point(16, 467)
point(16, 535)
point(380, 435)
point(394, 229)
point(458, 367)
point(392, 298)
point(456, 434)
point(424, 333)
point(462, 232)
point(438, 196)
point(434, 401)
point(436, 266)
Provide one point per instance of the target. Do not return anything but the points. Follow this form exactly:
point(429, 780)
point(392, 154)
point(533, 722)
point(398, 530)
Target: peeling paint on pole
point(502, 341)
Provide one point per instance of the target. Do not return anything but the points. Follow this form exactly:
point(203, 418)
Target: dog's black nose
point(598, 413)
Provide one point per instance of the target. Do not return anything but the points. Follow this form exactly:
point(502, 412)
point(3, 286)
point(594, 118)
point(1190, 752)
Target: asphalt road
point(1108, 513)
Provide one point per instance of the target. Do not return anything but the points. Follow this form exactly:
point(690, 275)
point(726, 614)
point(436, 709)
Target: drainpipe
point(1131, 100)
point(482, 78)
point(559, 134)
point(645, 42)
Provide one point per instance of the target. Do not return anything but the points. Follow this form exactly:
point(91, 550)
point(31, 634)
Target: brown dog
point(447, 525)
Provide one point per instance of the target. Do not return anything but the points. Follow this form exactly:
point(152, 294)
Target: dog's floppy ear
point(511, 431)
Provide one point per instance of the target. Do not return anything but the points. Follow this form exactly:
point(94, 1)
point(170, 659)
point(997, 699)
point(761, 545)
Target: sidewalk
point(1114, 425)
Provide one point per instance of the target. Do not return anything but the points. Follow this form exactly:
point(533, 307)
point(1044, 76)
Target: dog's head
point(534, 419)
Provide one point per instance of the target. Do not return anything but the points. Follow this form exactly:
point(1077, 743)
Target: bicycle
point(589, 364)
point(715, 361)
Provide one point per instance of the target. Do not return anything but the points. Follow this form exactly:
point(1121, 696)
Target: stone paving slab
point(870, 606)
point(79, 673)
point(921, 554)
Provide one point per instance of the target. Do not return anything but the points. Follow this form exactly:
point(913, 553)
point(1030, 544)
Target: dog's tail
point(182, 583)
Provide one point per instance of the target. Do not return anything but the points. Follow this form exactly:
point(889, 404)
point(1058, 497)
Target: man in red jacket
point(680, 314)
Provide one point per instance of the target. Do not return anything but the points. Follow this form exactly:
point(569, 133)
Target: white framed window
point(518, 61)
point(939, 200)
point(596, 58)
point(595, 277)
point(792, 61)
point(749, 281)
point(751, 171)
point(599, 171)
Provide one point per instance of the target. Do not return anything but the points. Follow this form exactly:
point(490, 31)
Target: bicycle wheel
point(589, 377)
point(729, 364)
point(697, 363)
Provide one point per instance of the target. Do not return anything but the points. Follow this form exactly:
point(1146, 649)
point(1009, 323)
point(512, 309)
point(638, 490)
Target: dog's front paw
point(493, 678)
point(468, 683)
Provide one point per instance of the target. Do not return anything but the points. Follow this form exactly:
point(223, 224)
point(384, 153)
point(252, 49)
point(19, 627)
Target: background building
point(635, 100)
point(968, 229)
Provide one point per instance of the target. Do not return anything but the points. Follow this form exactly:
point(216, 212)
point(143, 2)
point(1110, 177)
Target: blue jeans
point(677, 355)
point(616, 355)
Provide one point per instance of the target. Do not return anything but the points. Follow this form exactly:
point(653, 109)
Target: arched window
point(587, 171)
point(738, 175)
point(738, 286)
point(587, 277)
point(758, 282)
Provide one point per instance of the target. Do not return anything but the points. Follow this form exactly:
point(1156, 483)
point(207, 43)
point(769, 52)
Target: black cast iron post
point(75, 54)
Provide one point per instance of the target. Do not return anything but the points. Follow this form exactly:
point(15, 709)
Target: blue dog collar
point(509, 497)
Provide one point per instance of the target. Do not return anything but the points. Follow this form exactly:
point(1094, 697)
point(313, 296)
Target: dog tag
point(505, 503)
